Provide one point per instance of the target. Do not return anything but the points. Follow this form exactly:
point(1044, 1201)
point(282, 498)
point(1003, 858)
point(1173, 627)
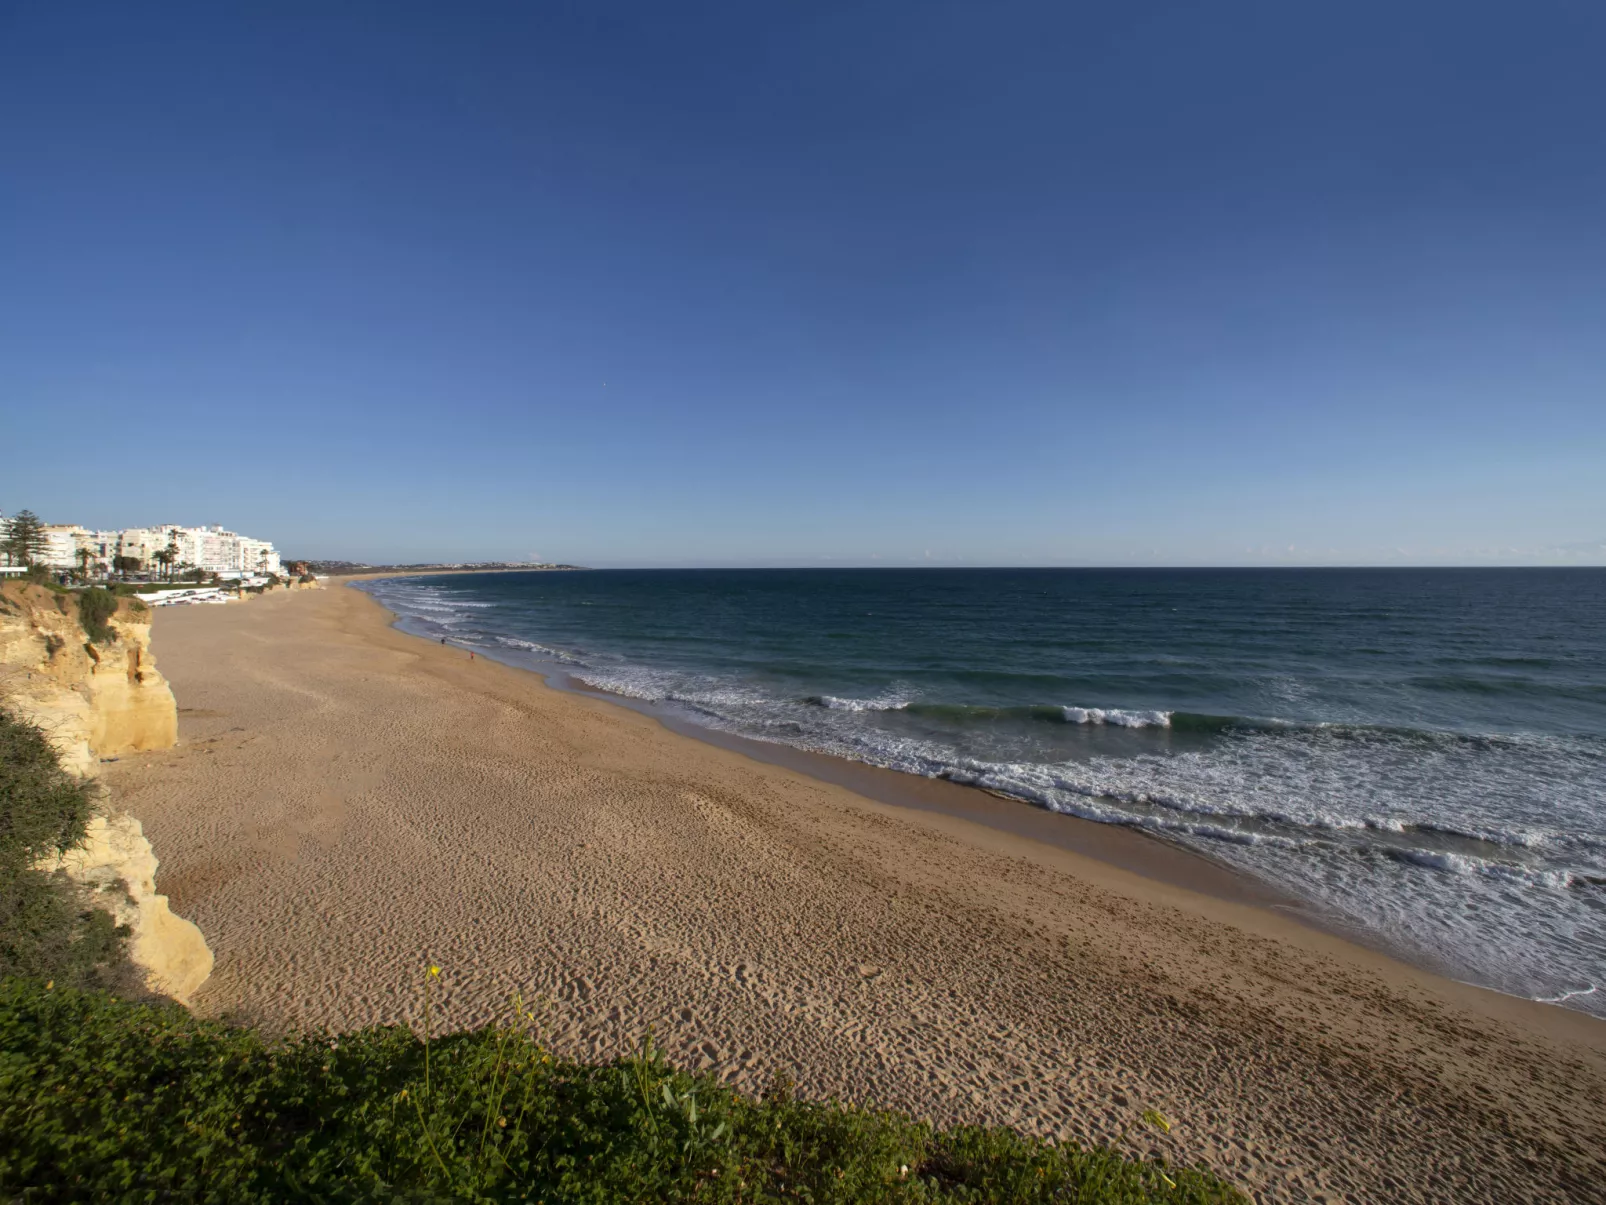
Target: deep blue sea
point(1420, 755)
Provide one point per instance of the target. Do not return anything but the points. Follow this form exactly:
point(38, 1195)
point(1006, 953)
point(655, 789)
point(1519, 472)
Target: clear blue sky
point(651, 283)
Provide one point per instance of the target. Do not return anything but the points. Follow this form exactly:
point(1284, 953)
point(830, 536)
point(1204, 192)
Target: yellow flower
point(434, 972)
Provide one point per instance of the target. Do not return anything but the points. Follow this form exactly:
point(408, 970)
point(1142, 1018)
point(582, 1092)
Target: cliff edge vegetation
point(102, 1099)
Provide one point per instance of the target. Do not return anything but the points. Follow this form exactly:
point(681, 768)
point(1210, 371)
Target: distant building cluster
point(169, 549)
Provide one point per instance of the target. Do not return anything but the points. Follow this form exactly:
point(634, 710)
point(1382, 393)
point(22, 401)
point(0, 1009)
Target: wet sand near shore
point(1142, 853)
point(348, 803)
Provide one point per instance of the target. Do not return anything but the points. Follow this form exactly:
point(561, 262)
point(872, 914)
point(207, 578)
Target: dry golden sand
point(348, 802)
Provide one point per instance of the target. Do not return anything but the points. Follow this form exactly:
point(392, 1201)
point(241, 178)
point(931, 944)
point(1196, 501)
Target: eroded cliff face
point(117, 862)
point(95, 700)
point(91, 700)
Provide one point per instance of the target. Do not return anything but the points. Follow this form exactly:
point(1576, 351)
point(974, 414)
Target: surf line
point(1583, 991)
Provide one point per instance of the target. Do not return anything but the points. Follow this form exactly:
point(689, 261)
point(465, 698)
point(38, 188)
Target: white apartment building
point(197, 548)
point(61, 545)
point(214, 549)
point(258, 556)
point(64, 541)
point(101, 546)
point(141, 543)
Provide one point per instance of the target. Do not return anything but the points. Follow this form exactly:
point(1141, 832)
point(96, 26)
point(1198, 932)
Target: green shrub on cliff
point(43, 810)
point(95, 607)
point(46, 927)
point(101, 1099)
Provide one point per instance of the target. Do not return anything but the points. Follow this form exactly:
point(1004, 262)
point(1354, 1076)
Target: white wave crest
point(1117, 717)
point(1583, 991)
point(1556, 879)
point(711, 695)
point(542, 650)
point(618, 684)
point(884, 703)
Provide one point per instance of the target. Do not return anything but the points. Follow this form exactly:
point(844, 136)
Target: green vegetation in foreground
point(106, 1100)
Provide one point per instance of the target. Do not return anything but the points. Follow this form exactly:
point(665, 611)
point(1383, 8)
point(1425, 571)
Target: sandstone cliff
point(91, 700)
point(96, 699)
point(117, 862)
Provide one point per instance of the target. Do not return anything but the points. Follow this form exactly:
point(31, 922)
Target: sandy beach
point(348, 803)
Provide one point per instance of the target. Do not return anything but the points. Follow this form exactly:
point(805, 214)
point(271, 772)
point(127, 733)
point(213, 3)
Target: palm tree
point(85, 557)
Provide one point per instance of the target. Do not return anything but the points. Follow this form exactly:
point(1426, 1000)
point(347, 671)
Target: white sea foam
point(707, 694)
point(1454, 863)
point(1117, 717)
point(631, 686)
point(1565, 996)
point(882, 703)
point(542, 650)
point(430, 603)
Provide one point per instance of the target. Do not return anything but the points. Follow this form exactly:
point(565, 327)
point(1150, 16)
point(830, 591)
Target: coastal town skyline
point(169, 547)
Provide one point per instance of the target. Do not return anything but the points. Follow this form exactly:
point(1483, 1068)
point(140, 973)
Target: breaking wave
point(884, 703)
point(1117, 717)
